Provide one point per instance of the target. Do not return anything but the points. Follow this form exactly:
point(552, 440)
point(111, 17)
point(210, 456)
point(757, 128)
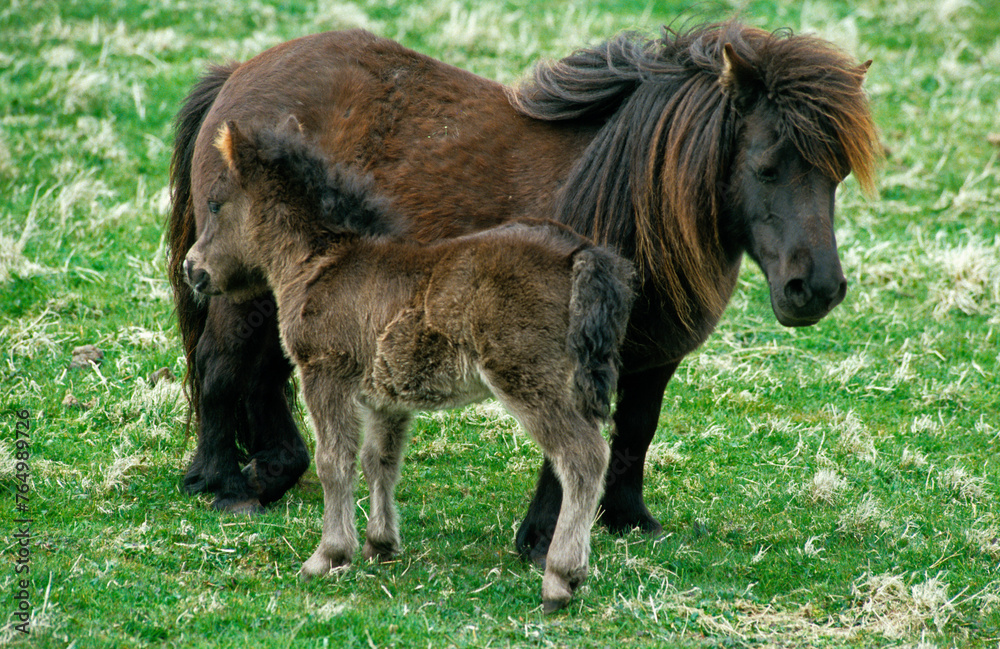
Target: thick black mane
point(181, 227)
point(595, 82)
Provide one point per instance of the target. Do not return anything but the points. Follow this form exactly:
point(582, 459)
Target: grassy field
point(832, 486)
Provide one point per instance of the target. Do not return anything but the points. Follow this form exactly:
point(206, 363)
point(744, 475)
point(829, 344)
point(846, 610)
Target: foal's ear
point(224, 143)
point(291, 126)
point(235, 147)
point(737, 78)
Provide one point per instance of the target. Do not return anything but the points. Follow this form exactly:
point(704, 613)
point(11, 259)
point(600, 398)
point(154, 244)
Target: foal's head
point(289, 193)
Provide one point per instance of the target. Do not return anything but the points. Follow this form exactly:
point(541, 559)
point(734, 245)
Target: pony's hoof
point(195, 483)
point(532, 543)
point(250, 472)
point(622, 518)
point(247, 506)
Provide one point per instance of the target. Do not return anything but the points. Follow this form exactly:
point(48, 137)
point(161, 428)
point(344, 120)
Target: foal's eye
point(767, 175)
point(214, 207)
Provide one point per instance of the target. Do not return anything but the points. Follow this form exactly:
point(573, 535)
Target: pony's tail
point(599, 307)
point(191, 311)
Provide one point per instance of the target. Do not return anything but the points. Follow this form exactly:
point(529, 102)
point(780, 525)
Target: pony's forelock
point(823, 109)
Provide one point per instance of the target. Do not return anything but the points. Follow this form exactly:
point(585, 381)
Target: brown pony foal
point(529, 312)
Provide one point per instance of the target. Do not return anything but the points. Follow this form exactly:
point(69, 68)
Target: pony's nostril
point(197, 278)
point(797, 292)
point(200, 279)
point(840, 295)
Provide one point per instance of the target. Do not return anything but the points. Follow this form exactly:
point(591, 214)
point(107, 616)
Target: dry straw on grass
point(887, 604)
point(964, 486)
point(825, 487)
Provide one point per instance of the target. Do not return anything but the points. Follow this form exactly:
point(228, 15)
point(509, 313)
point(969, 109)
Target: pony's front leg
point(381, 458)
point(335, 417)
point(640, 397)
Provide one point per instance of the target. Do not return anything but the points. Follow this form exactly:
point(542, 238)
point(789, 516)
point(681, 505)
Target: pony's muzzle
point(801, 295)
point(805, 303)
point(197, 278)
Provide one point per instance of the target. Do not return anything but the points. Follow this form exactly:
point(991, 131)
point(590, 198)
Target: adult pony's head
point(717, 141)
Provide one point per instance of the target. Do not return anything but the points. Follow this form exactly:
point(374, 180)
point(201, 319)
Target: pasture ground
point(832, 486)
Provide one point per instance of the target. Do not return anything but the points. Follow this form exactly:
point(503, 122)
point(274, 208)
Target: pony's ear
point(235, 147)
point(737, 76)
point(862, 71)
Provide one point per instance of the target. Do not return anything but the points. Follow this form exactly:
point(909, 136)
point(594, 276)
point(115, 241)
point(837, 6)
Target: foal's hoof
point(380, 552)
point(557, 591)
point(553, 605)
point(319, 565)
point(555, 599)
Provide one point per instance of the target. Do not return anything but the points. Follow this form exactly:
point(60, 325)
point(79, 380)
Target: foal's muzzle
point(197, 278)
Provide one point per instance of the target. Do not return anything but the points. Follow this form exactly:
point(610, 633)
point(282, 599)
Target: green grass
point(832, 486)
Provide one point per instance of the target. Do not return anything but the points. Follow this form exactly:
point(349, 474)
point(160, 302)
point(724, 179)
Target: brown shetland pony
point(683, 152)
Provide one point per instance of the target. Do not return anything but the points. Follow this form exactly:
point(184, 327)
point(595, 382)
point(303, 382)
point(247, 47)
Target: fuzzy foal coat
point(529, 312)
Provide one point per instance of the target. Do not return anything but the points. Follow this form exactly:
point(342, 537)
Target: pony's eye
point(767, 175)
point(214, 207)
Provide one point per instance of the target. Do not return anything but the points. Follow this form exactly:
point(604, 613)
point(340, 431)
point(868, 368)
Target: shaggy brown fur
point(683, 152)
point(529, 312)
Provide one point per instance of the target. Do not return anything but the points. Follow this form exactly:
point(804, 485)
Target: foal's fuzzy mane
point(339, 200)
point(657, 172)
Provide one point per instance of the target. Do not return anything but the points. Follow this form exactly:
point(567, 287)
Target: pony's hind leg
point(579, 455)
point(335, 417)
point(580, 464)
point(381, 458)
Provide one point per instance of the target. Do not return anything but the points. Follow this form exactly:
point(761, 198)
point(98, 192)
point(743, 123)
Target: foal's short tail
point(599, 310)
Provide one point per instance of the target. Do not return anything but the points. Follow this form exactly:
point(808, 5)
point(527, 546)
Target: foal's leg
point(637, 412)
point(579, 456)
point(381, 457)
point(335, 417)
